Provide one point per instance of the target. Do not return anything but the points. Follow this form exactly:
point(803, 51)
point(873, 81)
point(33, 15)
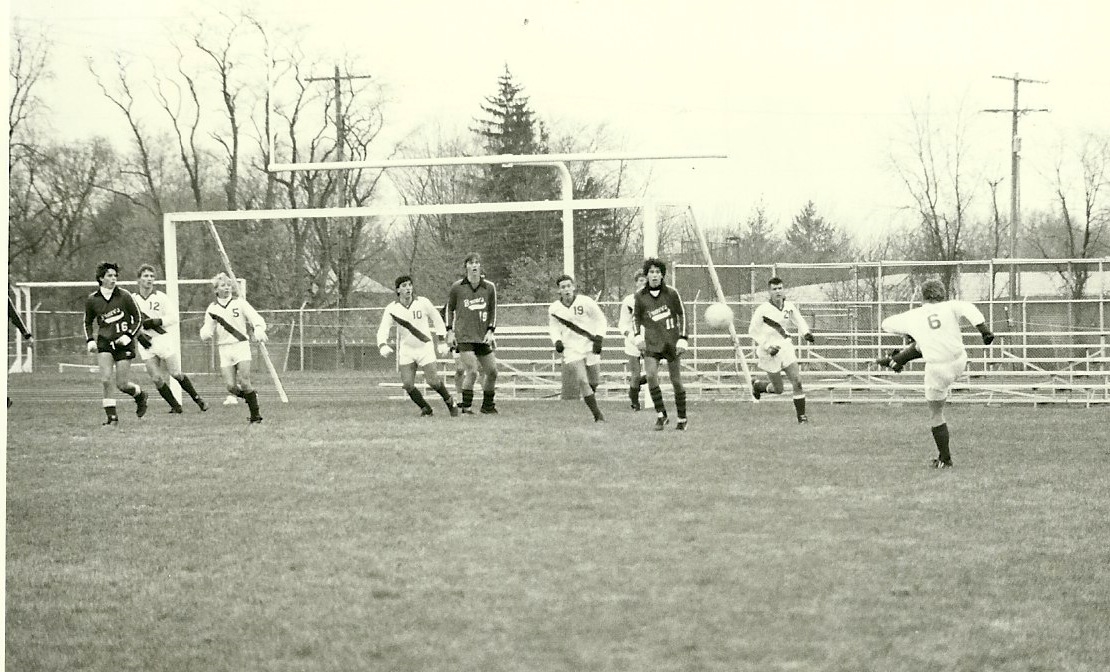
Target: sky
point(809, 100)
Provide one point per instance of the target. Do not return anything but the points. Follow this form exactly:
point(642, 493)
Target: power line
point(340, 123)
point(1015, 167)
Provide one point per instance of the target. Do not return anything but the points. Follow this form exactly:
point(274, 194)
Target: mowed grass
point(349, 535)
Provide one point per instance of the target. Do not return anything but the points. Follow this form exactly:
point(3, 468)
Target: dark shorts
point(666, 352)
point(118, 353)
point(480, 349)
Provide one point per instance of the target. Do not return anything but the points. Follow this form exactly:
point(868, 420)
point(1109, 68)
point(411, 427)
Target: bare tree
point(1079, 226)
point(27, 67)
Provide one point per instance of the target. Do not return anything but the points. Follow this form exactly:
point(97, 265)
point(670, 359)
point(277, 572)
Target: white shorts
point(234, 353)
point(421, 355)
point(630, 348)
point(161, 346)
point(572, 355)
point(939, 377)
point(773, 364)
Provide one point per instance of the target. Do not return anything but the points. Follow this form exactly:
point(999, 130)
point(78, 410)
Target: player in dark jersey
point(660, 325)
point(471, 318)
point(117, 318)
point(17, 322)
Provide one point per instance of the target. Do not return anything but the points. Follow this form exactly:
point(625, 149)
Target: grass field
point(351, 535)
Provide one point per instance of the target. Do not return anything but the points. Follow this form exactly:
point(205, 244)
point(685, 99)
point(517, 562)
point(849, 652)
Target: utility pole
point(340, 124)
point(1015, 170)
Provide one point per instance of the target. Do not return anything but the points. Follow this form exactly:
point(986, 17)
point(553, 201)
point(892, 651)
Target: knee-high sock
point(940, 436)
point(680, 401)
point(167, 394)
point(591, 403)
point(187, 385)
point(487, 398)
point(657, 399)
point(441, 390)
point(417, 397)
point(467, 398)
point(252, 402)
point(800, 405)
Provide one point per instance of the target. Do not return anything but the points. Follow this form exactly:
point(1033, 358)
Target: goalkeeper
point(117, 318)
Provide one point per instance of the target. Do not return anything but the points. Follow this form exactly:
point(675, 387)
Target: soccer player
point(158, 342)
point(660, 328)
point(773, 346)
point(935, 328)
point(15, 319)
point(577, 328)
point(226, 320)
point(117, 320)
point(471, 321)
point(627, 326)
point(416, 320)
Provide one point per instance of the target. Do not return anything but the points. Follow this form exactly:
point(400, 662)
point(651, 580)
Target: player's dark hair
point(933, 290)
point(473, 256)
point(775, 281)
point(657, 263)
point(564, 276)
point(401, 279)
point(102, 270)
point(144, 268)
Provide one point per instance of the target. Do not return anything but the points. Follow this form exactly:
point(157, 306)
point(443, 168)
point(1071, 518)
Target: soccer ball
point(718, 315)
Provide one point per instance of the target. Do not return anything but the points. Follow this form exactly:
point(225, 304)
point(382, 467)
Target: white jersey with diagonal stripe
point(769, 324)
point(235, 313)
point(575, 324)
point(415, 323)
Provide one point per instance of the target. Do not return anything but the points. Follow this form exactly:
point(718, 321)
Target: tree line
point(242, 95)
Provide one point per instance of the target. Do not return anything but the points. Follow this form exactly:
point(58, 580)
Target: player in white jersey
point(774, 347)
point(158, 342)
point(226, 320)
point(419, 326)
point(626, 323)
point(935, 328)
point(577, 327)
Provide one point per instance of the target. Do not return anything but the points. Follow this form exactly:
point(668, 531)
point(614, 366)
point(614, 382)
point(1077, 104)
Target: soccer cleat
point(803, 419)
point(599, 418)
point(466, 410)
point(202, 405)
point(635, 405)
point(140, 404)
point(453, 410)
point(490, 410)
point(755, 391)
point(661, 422)
point(176, 410)
point(889, 363)
point(110, 422)
point(937, 463)
point(256, 420)
point(681, 424)
point(426, 411)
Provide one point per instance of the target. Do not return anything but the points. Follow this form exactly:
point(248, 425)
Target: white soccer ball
point(718, 316)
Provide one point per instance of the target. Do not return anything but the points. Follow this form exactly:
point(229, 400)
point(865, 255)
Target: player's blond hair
point(221, 277)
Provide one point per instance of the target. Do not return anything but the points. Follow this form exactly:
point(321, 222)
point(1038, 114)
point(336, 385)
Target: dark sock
point(641, 382)
point(634, 394)
point(657, 399)
point(441, 390)
point(906, 355)
point(238, 392)
point(800, 405)
point(593, 387)
point(417, 398)
point(680, 402)
point(940, 436)
point(467, 398)
point(252, 402)
point(110, 411)
point(487, 398)
point(167, 394)
point(760, 386)
point(187, 385)
point(591, 403)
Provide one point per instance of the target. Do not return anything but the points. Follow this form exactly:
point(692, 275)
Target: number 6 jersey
point(936, 328)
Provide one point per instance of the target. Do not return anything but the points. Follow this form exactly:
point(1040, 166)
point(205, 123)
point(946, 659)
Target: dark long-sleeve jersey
point(660, 316)
point(471, 310)
point(114, 316)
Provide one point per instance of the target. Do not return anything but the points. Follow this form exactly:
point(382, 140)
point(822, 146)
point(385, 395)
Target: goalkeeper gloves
point(808, 338)
point(640, 342)
point(597, 345)
point(442, 349)
point(123, 340)
point(559, 347)
point(773, 350)
point(144, 340)
point(91, 346)
point(988, 338)
point(152, 323)
point(385, 350)
point(682, 345)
